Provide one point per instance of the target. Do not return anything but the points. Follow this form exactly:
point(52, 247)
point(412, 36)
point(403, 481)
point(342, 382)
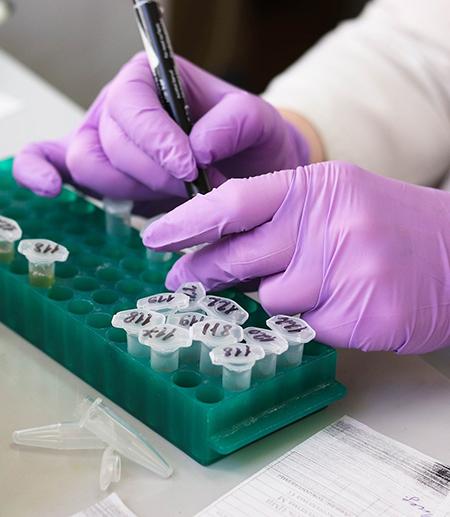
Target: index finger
point(236, 206)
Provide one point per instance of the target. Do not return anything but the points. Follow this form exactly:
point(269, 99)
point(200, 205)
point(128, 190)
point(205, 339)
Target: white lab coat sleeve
point(377, 89)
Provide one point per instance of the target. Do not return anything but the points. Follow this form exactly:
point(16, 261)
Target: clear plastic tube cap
point(185, 319)
point(122, 437)
point(215, 332)
point(165, 338)
point(272, 342)
point(118, 207)
point(238, 357)
point(10, 231)
point(43, 251)
point(293, 329)
point(195, 292)
point(164, 302)
point(223, 308)
point(110, 468)
point(134, 320)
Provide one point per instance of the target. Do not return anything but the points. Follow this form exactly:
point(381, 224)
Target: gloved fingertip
point(155, 236)
point(174, 279)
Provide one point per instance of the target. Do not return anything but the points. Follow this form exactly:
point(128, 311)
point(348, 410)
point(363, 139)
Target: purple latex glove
point(364, 258)
point(129, 148)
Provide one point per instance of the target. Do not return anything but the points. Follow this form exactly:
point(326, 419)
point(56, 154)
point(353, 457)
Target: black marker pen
point(160, 55)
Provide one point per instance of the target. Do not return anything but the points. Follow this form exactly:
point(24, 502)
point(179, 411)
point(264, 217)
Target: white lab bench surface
point(403, 397)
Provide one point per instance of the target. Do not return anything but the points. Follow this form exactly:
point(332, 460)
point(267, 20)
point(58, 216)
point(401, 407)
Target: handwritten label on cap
point(134, 320)
point(223, 308)
point(43, 251)
point(10, 231)
point(164, 302)
point(215, 332)
point(295, 330)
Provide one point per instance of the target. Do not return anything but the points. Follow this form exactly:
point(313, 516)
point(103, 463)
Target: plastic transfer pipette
point(120, 436)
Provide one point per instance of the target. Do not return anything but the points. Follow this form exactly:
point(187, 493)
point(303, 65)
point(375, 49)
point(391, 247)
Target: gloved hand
point(128, 147)
point(364, 258)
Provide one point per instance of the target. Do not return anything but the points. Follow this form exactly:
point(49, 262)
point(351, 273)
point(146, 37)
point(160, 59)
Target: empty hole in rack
point(65, 270)
point(81, 206)
point(129, 286)
point(15, 212)
point(60, 293)
point(114, 251)
point(53, 235)
point(90, 261)
point(133, 264)
point(187, 379)
point(31, 227)
point(153, 276)
point(4, 200)
point(75, 228)
point(209, 393)
point(23, 194)
point(54, 217)
point(99, 320)
point(117, 335)
point(7, 183)
point(85, 283)
point(19, 266)
point(105, 296)
point(109, 274)
point(94, 240)
point(80, 307)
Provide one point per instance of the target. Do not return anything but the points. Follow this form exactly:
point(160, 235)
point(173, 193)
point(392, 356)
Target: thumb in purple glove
point(362, 257)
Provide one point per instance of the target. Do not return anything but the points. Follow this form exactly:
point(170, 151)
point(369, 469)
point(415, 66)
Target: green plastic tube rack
point(71, 322)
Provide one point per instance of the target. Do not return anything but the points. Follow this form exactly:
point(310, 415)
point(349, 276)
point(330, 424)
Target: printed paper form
point(347, 469)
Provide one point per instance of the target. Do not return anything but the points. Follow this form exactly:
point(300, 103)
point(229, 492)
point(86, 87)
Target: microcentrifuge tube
point(223, 308)
point(101, 421)
point(61, 436)
point(195, 291)
point(42, 255)
point(237, 362)
point(273, 344)
point(10, 232)
point(297, 332)
point(165, 342)
point(133, 321)
point(186, 320)
point(164, 302)
point(210, 333)
point(118, 217)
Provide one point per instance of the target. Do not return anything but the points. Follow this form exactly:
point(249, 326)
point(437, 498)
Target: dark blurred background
point(78, 46)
